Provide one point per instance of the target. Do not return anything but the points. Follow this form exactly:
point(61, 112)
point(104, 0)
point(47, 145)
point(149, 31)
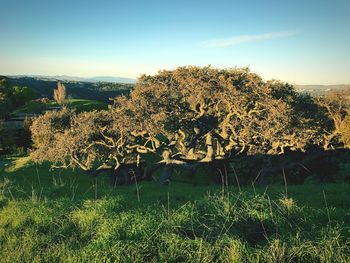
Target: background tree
point(345, 130)
point(336, 105)
point(5, 102)
point(1, 135)
point(5, 105)
point(60, 94)
point(13, 97)
point(21, 95)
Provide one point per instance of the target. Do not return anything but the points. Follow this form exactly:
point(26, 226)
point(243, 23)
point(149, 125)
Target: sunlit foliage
point(191, 114)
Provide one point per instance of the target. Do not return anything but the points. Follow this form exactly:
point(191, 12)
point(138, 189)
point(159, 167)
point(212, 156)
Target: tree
point(21, 95)
point(13, 97)
point(336, 105)
point(60, 94)
point(208, 113)
point(1, 135)
point(185, 117)
point(5, 105)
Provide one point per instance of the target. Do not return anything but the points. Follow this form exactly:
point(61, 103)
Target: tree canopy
point(197, 114)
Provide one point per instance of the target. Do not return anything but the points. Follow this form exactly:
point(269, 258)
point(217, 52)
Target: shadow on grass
point(26, 180)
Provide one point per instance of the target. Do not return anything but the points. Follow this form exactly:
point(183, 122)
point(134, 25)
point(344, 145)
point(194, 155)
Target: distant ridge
point(320, 89)
point(81, 79)
point(112, 79)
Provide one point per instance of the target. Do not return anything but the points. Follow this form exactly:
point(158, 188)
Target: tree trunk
point(210, 149)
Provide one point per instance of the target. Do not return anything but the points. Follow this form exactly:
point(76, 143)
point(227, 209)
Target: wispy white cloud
point(236, 40)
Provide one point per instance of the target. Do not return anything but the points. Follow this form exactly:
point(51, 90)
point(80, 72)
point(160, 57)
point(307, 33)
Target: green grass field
point(54, 215)
point(86, 105)
point(80, 105)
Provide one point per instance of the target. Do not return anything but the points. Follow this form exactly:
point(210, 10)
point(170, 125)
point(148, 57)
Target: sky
point(301, 42)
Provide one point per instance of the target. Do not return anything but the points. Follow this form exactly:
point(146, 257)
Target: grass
point(86, 105)
point(34, 107)
point(52, 215)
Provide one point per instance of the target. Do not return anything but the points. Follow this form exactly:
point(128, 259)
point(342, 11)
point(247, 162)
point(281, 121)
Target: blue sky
point(303, 42)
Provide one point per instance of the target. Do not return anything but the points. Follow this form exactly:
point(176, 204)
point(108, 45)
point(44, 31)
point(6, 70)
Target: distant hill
point(81, 79)
point(76, 88)
point(320, 89)
point(111, 79)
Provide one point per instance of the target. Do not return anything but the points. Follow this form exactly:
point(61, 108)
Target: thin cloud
point(236, 40)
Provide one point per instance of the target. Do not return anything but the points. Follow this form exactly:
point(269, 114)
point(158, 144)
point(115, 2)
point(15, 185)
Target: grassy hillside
point(80, 105)
point(100, 91)
point(86, 105)
point(53, 215)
